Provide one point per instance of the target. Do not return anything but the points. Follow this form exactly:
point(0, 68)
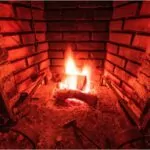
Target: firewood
point(62, 95)
point(81, 80)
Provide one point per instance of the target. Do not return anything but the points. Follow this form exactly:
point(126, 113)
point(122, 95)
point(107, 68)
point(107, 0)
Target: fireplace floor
point(46, 120)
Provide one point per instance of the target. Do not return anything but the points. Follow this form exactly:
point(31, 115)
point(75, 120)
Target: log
point(81, 80)
point(62, 95)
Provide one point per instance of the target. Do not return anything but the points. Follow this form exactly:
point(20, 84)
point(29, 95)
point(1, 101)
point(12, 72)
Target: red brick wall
point(84, 25)
point(22, 33)
point(32, 33)
point(128, 53)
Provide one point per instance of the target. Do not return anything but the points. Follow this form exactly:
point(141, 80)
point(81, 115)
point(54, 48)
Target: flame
point(72, 71)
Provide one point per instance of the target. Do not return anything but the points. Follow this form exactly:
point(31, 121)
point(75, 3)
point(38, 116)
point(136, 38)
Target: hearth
point(74, 74)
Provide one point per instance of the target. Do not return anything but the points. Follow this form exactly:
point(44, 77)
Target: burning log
point(81, 80)
point(62, 95)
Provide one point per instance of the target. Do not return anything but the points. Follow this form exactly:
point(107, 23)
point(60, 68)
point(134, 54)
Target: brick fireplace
point(114, 36)
point(80, 24)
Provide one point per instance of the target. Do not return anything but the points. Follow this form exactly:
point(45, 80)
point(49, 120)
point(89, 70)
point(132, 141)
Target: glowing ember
point(77, 101)
point(72, 74)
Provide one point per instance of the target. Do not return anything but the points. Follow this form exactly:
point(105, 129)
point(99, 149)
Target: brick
point(6, 10)
point(120, 38)
point(80, 55)
point(90, 46)
point(77, 14)
point(25, 74)
point(112, 77)
point(38, 4)
point(19, 65)
point(19, 53)
point(96, 63)
point(141, 24)
point(131, 54)
point(55, 54)
point(141, 41)
point(76, 36)
point(121, 12)
point(109, 66)
point(24, 26)
point(10, 41)
point(127, 88)
point(140, 90)
point(24, 85)
point(96, 74)
point(132, 67)
point(28, 38)
point(115, 60)
point(112, 48)
point(42, 47)
point(40, 37)
point(58, 69)
point(9, 26)
point(145, 68)
point(144, 80)
point(97, 55)
point(145, 8)
point(61, 26)
point(38, 14)
point(123, 75)
point(116, 25)
point(57, 62)
point(53, 15)
point(73, 26)
point(37, 58)
point(102, 14)
point(3, 55)
point(54, 36)
point(59, 46)
point(23, 13)
point(93, 26)
point(40, 26)
point(15, 26)
point(44, 64)
point(100, 36)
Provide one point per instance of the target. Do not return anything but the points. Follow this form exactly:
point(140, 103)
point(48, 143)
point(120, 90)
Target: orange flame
point(71, 69)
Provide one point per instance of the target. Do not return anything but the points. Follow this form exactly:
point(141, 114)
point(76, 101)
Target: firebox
point(74, 74)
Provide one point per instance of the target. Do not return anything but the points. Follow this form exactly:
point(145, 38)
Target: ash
point(47, 120)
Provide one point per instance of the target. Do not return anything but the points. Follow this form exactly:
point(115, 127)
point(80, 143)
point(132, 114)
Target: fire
point(73, 74)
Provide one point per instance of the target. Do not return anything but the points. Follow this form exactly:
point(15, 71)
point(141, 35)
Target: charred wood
point(62, 95)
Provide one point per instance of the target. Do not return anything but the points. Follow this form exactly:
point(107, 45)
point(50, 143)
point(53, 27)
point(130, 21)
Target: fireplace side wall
point(83, 25)
point(128, 53)
point(23, 39)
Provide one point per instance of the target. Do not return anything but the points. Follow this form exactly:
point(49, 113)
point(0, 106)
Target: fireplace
point(74, 74)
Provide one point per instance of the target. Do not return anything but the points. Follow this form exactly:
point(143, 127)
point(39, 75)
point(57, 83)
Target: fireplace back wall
point(84, 25)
